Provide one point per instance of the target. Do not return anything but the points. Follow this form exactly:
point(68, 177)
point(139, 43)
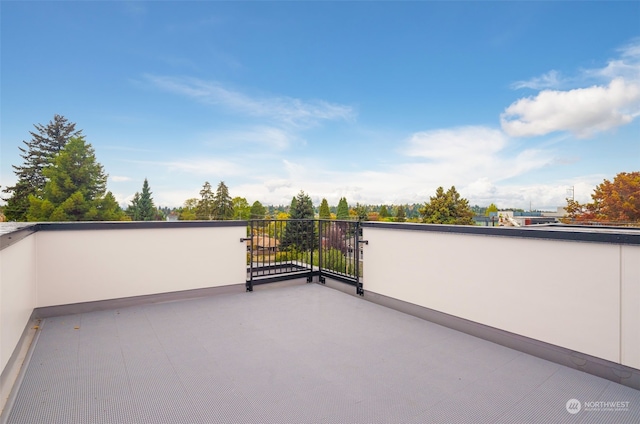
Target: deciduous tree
point(384, 212)
point(258, 211)
point(491, 208)
point(188, 211)
point(241, 208)
point(613, 201)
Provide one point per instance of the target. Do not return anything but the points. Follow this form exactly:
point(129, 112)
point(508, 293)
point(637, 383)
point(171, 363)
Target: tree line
point(60, 179)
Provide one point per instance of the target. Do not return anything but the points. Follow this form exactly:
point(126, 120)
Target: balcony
point(151, 322)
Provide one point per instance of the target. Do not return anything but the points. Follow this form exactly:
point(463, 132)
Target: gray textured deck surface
point(296, 354)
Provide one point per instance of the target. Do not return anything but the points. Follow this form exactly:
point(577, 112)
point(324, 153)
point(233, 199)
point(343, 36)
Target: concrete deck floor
point(294, 354)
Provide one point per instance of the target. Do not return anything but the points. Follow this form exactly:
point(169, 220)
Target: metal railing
point(285, 249)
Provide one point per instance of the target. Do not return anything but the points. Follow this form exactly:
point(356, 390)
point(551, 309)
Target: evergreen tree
point(37, 154)
point(146, 208)
point(300, 232)
point(204, 208)
point(325, 212)
point(222, 203)
point(400, 215)
point(142, 207)
point(384, 213)
point(447, 208)
point(343, 209)
point(75, 188)
point(133, 211)
point(258, 211)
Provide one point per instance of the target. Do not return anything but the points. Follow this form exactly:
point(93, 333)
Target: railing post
point(356, 265)
point(249, 283)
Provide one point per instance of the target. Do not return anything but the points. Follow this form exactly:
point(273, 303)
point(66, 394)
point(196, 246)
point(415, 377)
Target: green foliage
point(343, 209)
point(258, 211)
point(222, 203)
point(146, 208)
point(491, 208)
point(400, 214)
point(241, 208)
point(38, 153)
point(205, 206)
point(447, 208)
point(188, 211)
point(325, 212)
point(301, 235)
point(362, 212)
point(384, 213)
point(142, 207)
point(75, 190)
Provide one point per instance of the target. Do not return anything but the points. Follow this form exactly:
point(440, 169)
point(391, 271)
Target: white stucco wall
point(17, 293)
point(630, 313)
point(89, 265)
point(560, 292)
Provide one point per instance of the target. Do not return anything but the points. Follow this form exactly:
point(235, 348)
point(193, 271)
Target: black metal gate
point(285, 249)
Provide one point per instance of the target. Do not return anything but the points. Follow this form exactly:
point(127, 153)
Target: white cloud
point(477, 160)
point(286, 110)
point(600, 99)
point(582, 111)
point(270, 137)
point(456, 142)
point(119, 179)
point(212, 168)
point(551, 79)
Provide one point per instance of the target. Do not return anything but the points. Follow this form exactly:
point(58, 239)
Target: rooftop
point(292, 354)
point(153, 323)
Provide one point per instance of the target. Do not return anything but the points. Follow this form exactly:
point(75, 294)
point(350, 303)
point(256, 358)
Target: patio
point(290, 353)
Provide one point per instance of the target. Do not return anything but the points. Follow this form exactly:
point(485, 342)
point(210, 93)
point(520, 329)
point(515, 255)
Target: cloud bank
point(614, 100)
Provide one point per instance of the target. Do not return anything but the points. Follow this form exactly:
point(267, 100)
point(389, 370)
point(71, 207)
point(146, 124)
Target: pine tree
point(75, 188)
point(400, 214)
point(204, 208)
point(447, 208)
point(300, 232)
point(222, 203)
point(133, 211)
point(146, 208)
point(343, 209)
point(37, 154)
point(325, 212)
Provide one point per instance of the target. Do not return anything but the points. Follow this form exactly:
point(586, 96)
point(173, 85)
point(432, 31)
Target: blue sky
point(380, 102)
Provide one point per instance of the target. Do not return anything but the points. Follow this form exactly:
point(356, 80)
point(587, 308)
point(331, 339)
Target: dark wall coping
point(12, 236)
point(611, 235)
